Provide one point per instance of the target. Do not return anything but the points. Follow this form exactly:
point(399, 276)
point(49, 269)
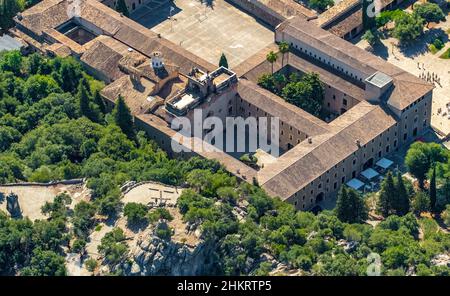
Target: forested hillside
point(54, 126)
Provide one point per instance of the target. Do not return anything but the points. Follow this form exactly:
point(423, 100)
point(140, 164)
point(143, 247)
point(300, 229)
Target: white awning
point(384, 163)
point(355, 183)
point(369, 174)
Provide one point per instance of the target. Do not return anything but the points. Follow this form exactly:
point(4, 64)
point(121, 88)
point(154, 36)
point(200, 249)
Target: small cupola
point(157, 60)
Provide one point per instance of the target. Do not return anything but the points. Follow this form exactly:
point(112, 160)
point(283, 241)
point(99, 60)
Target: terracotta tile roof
point(47, 14)
point(232, 164)
point(349, 23)
point(288, 8)
point(335, 11)
point(104, 59)
point(327, 77)
point(50, 14)
point(306, 162)
point(277, 107)
point(260, 66)
point(407, 87)
point(59, 50)
point(135, 95)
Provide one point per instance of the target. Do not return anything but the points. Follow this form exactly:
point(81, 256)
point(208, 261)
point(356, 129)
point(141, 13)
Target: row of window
point(329, 63)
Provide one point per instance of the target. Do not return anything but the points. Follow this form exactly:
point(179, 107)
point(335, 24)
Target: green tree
point(39, 86)
point(421, 157)
point(308, 93)
point(446, 215)
point(8, 135)
point(135, 212)
point(83, 218)
point(432, 190)
point(123, 118)
point(271, 58)
point(401, 201)
point(408, 28)
point(45, 263)
point(223, 61)
point(388, 15)
point(91, 264)
point(350, 206)
point(267, 81)
point(283, 47)
point(421, 202)
point(342, 204)
point(371, 36)
point(430, 12)
point(387, 195)
point(113, 247)
point(99, 101)
point(35, 61)
point(79, 246)
point(69, 74)
point(8, 9)
point(320, 5)
point(121, 7)
point(84, 100)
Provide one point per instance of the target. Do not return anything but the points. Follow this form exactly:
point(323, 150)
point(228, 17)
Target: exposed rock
point(135, 269)
point(441, 260)
point(156, 256)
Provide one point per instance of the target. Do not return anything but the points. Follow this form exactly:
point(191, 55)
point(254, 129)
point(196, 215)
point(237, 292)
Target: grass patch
point(429, 227)
point(98, 227)
point(432, 48)
point(437, 45)
point(446, 54)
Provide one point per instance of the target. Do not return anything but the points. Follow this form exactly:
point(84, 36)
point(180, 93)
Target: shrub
point(135, 212)
point(91, 264)
point(159, 213)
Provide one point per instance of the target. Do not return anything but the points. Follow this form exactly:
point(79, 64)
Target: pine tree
point(122, 8)
point(357, 207)
point(8, 9)
point(402, 204)
point(350, 206)
point(432, 190)
point(223, 61)
point(342, 204)
point(387, 195)
point(99, 101)
point(86, 85)
point(84, 100)
point(123, 117)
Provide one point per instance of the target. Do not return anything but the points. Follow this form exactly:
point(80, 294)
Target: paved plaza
point(418, 60)
point(207, 28)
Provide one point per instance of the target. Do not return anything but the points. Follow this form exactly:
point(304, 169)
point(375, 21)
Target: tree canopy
point(408, 28)
point(430, 12)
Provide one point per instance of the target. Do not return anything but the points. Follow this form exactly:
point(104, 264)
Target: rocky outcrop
point(157, 256)
point(441, 260)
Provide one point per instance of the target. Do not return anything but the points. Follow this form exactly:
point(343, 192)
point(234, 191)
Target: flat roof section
point(379, 79)
point(9, 43)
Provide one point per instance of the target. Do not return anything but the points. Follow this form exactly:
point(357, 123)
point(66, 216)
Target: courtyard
point(207, 28)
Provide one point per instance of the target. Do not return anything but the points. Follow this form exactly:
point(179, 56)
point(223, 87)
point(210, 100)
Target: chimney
point(358, 143)
point(310, 140)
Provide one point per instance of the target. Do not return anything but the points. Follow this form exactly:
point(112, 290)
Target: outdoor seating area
point(370, 179)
